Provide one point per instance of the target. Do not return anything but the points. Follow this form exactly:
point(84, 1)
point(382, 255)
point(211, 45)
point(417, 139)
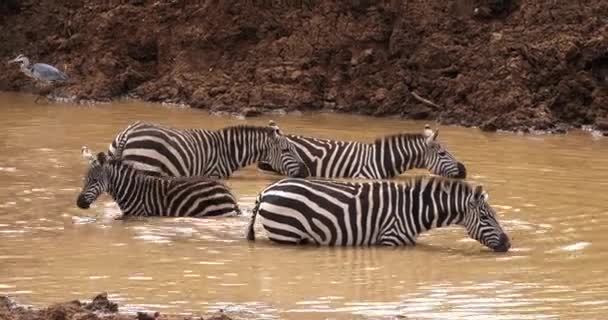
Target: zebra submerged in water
point(385, 158)
point(139, 194)
point(335, 213)
point(165, 151)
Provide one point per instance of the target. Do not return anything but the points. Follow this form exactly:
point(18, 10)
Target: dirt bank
point(99, 308)
point(498, 64)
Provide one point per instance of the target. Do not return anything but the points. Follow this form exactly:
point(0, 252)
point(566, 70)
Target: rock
point(101, 304)
point(147, 316)
point(601, 124)
point(489, 125)
point(560, 128)
point(199, 98)
point(251, 112)
point(380, 94)
point(217, 90)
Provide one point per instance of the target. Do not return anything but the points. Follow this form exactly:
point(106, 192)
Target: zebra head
point(95, 181)
point(439, 161)
point(481, 223)
point(282, 155)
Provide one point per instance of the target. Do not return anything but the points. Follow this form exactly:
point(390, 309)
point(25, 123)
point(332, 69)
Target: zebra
point(139, 194)
point(164, 151)
point(333, 213)
point(385, 158)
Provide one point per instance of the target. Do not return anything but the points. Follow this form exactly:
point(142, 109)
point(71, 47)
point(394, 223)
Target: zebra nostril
point(503, 243)
point(82, 203)
point(462, 171)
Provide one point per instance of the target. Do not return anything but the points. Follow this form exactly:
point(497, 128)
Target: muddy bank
point(498, 64)
point(99, 308)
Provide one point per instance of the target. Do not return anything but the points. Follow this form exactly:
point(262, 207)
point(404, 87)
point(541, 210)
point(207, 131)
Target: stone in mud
point(147, 316)
point(101, 304)
point(251, 112)
point(602, 124)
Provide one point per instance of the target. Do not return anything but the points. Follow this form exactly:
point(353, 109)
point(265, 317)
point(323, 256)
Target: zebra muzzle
point(462, 171)
point(504, 244)
point(82, 203)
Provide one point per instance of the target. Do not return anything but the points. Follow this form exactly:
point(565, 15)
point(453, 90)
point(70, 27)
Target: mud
point(496, 64)
point(99, 308)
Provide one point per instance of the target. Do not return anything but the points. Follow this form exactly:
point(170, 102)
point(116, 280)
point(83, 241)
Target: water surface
point(549, 191)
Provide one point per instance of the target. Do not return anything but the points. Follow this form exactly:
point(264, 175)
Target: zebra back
point(160, 150)
point(118, 144)
point(385, 158)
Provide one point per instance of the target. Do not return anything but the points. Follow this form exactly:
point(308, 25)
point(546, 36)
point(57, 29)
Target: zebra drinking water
point(139, 194)
point(385, 158)
point(160, 150)
point(335, 213)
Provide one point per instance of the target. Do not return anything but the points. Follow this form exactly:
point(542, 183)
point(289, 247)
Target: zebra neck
point(243, 148)
point(429, 206)
point(396, 154)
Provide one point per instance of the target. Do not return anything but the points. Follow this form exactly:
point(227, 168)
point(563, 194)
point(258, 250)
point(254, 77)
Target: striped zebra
point(164, 151)
point(139, 194)
point(324, 212)
point(385, 158)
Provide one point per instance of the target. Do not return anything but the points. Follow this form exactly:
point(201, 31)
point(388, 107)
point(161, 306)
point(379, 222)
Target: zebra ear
point(273, 125)
point(101, 158)
point(479, 194)
point(428, 132)
point(86, 154)
point(430, 140)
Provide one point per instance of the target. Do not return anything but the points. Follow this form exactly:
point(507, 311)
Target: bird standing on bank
point(40, 71)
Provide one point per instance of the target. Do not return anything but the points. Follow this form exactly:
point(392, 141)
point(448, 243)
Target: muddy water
point(550, 193)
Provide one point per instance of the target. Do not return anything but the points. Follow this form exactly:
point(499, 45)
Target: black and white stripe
point(385, 158)
point(160, 150)
point(335, 213)
point(139, 194)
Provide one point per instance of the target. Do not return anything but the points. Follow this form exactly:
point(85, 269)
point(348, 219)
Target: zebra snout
point(503, 244)
point(462, 171)
point(82, 203)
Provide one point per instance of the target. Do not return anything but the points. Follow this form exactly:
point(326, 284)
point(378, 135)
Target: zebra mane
point(248, 128)
point(239, 127)
point(444, 184)
point(399, 136)
point(129, 166)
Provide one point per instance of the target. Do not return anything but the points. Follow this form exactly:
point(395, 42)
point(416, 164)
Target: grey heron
point(40, 71)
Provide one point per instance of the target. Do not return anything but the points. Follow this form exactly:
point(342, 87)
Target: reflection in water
point(549, 192)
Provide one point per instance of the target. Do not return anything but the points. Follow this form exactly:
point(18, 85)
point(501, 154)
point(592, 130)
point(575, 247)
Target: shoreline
point(99, 307)
point(595, 130)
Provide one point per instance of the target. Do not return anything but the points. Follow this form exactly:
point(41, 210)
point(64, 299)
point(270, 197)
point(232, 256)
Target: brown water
point(549, 191)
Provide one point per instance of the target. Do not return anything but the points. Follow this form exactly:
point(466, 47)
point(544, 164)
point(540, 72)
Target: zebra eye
point(285, 150)
point(441, 153)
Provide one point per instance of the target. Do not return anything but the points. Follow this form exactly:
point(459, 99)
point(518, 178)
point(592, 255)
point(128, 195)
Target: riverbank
point(499, 65)
point(99, 308)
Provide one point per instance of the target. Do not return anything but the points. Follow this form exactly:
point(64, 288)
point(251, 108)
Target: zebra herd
point(154, 170)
